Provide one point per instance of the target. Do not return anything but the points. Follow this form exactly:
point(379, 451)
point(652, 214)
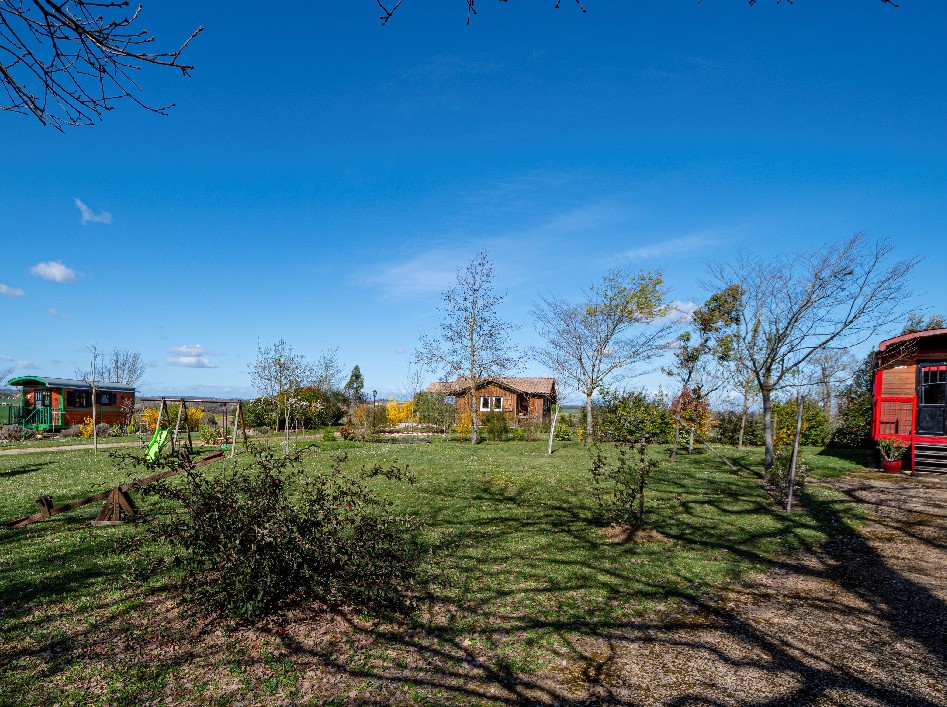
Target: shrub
point(619, 479)
point(463, 424)
point(632, 416)
point(892, 448)
point(347, 434)
point(397, 413)
point(115, 431)
point(211, 434)
point(328, 435)
point(74, 431)
point(777, 478)
point(253, 540)
point(814, 424)
point(562, 433)
point(15, 433)
point(518, 434)
point(86, 428)
point(726, 428)
point(494, 425)
point(190, 421)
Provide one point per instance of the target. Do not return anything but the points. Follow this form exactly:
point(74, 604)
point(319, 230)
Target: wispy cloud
point(29, 365)
point(191, 350)
point(11, 291)
point(89, 216)
point(425, 273)
point(54, 271)
point(667, 248)
point(190, 362)
point(56, 314)
point(4, 357)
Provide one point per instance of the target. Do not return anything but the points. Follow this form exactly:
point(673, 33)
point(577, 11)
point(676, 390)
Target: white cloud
point(6, 358)
point(56, 314)
point(191, 350)
point(11, 291)
point(27, 364)
point(88, 216)
point(681, 311)
point(190, 362)
point(429, 272)
point(54, 271)
point(668, 248)
point(401, 350)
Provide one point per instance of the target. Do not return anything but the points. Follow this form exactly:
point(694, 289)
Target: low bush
point(494, 425)
point(619, 477)
point(777, 478)
point(253, 540)
point(347, 434)
point(15, 433)
point(328, 435)
point(74, 431)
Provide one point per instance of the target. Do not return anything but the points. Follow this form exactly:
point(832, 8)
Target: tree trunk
point(677, 439)
point(473, 415)
point(690, 443)
point(766, 393)
point(588, 414)
point(743, 416)
point(552, 429)
point(795, 451)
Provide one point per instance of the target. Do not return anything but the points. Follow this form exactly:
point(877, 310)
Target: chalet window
point(484, 403)
point(498, 403)
point(79, 399)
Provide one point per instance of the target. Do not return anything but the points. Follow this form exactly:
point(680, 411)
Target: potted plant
point(892, 450)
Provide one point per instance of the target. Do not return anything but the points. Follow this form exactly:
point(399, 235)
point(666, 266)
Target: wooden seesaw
point(118, 507)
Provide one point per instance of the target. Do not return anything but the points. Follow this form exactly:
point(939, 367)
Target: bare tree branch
point(66, 63)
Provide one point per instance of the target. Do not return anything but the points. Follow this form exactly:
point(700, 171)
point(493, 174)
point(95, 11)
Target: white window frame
point(498, 403)
point(484, 403)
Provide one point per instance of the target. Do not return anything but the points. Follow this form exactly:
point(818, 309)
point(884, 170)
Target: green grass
point(518, 570)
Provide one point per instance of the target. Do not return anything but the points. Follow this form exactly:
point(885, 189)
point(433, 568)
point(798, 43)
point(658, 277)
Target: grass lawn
point(519, 572)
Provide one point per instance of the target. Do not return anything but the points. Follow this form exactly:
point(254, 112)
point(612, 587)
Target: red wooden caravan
point(910, 396)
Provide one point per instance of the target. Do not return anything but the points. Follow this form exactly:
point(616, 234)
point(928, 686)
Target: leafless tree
point(829, 369)
point(123, 366)
point(278, 372)
point(68, 62)
point(841, 293)
point(620, 325)
point(474, 342)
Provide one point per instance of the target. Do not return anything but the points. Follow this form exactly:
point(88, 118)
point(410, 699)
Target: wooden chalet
point(519, 399)
point(55, 403)
point(910, 396)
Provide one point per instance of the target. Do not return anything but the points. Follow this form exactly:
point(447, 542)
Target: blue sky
point(322, 176)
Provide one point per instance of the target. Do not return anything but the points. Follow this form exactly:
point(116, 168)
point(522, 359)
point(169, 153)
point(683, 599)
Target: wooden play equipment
point(170, 431)
point(119, 506)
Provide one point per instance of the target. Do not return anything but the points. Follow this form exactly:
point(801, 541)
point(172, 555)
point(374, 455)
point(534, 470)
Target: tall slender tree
point(473, 343)
point(620, 325)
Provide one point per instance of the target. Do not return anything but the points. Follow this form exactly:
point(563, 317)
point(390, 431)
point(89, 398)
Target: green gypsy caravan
point(51, 404)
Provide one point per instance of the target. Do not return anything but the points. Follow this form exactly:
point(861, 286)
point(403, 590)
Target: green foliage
point(430, 409)
point(726, 428)
point(328, 435)
point(253, 540)
point(916, 323)
point(563, 433)
point(494, 425)
point(619, 478)
point(777, 477)
point(260, 412)
point(630, 416)
point(854, 415)
point(814, 423)
point(354, 386)
point(314, 407)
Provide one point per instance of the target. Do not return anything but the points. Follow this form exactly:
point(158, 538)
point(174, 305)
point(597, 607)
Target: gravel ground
point(861, 622)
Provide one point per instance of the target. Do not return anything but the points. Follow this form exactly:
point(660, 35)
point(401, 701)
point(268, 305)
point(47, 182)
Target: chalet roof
point(527, 386)
point(38, 382)
point(910, 337)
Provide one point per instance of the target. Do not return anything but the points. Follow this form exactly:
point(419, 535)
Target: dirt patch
point(626, 534)
point(862, 621)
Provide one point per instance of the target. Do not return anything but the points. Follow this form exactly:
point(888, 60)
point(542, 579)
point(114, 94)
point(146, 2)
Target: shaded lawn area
point(518, 571)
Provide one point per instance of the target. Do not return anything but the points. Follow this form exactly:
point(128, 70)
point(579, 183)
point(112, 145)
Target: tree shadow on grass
point(529, 604)
point(23, 469)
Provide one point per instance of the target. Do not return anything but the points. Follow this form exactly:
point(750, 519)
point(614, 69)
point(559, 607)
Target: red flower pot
point(891, 467)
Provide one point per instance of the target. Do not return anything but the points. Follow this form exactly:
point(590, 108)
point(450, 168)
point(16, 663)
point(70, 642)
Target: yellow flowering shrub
point(463, 423)
point(398, 412)
point(86, 427)
point(190, 421)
